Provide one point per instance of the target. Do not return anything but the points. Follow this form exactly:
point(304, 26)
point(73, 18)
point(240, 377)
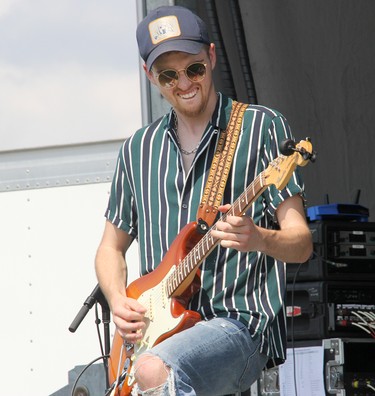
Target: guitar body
point(166, 315)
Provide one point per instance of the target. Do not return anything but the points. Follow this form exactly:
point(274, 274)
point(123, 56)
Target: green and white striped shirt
point(152, 199)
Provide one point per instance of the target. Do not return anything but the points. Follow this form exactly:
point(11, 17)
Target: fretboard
point(205, 245)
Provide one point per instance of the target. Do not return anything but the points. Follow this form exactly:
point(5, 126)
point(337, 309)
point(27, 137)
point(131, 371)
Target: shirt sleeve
point(121, 209)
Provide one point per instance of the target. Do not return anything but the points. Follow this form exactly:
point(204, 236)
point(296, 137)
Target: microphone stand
point(96, 296)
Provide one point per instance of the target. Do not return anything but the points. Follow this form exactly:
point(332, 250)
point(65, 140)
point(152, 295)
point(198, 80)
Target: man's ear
point(149, 74)
point(212, 55)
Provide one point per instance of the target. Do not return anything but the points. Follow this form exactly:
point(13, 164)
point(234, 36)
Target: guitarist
point(156, 190)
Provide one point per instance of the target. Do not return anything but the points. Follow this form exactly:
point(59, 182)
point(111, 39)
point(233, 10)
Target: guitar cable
point(84, 369)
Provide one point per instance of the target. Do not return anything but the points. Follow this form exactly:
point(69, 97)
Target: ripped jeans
point(215, 357)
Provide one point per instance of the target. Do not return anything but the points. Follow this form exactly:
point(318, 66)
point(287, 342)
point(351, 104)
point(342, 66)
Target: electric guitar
point(166, 291)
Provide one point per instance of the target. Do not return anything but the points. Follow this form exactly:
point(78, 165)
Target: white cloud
point(69, 72)
point(43, 32)
point(7, 6)
point(66, 105)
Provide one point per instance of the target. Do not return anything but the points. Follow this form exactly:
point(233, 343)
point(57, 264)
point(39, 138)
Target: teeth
point(189, 95)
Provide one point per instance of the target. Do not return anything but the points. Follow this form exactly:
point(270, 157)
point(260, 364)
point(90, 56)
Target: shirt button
point(184, 206)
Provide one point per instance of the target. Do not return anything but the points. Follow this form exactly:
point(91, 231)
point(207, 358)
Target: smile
point(189, 95)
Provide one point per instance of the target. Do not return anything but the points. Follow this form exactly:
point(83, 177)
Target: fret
point(261, 179)
point(243, 201)
point(240, 206)
point(184, 265)
point(197, 254)
point(191, 261)
point(174, 282)
point(171, 281)
point(209, 241)
point(206, 245)
point(202, 253)
point(169, 287)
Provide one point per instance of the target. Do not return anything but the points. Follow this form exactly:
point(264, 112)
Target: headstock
point(280, 170)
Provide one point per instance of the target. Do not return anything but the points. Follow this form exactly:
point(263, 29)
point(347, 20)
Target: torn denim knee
point(166, 389)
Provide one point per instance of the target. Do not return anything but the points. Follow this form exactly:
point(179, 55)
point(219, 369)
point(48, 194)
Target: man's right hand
point(128, 316)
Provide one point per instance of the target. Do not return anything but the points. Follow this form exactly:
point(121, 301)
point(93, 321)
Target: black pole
point(96, 296)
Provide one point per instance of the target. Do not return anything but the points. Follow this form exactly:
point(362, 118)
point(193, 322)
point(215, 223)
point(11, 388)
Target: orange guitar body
point(184, 319)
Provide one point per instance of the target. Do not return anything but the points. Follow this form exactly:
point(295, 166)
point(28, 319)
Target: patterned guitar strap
point(220, 167)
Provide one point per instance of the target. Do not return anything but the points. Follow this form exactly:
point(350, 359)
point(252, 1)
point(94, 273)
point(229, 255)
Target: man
point(157, 187)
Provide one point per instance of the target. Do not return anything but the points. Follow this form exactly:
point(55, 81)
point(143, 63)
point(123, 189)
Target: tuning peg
point(287, 147)
point(308, 156)
point(313, 156)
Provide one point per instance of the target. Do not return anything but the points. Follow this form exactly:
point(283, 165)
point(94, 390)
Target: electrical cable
point(361, 327)
point(330, 262)
point(84, 369)
point(368, 327)
point(367, 318)
point(103, 355)
point(370, 315)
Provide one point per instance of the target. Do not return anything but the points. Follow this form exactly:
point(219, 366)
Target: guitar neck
point(204, 247)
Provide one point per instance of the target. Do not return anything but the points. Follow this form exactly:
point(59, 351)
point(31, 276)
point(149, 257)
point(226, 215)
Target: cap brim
point(188, 46)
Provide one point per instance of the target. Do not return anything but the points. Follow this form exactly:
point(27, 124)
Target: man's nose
point(183, 81)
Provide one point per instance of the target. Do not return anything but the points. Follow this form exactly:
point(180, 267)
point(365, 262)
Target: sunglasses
point(195, 72)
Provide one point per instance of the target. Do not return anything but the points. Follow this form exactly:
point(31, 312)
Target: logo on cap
point(164, 28)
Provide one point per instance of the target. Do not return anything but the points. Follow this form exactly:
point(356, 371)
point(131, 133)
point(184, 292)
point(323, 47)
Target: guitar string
point(195, 252)
point(189, 262)
point(205, 240)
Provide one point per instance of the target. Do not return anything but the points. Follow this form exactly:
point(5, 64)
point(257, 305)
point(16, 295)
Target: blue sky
point(69, 72)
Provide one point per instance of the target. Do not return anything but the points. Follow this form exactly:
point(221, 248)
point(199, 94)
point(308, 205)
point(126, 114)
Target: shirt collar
point(221, 114)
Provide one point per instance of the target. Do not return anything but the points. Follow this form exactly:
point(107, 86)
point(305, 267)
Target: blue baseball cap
point(170, 28)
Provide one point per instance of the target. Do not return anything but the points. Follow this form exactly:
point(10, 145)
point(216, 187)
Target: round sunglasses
point(195, 72)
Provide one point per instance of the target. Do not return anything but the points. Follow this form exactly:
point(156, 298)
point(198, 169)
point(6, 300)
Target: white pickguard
point(158, 319)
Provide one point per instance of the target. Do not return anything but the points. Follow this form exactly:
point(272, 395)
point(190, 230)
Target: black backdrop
point(313, 60)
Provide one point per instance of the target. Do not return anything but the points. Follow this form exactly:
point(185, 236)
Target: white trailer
point(49, 238)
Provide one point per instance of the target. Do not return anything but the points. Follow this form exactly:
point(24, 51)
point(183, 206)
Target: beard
point(197, 107)
point(192, 113)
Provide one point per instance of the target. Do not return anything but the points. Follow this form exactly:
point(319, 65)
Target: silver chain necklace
point(185, 152)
